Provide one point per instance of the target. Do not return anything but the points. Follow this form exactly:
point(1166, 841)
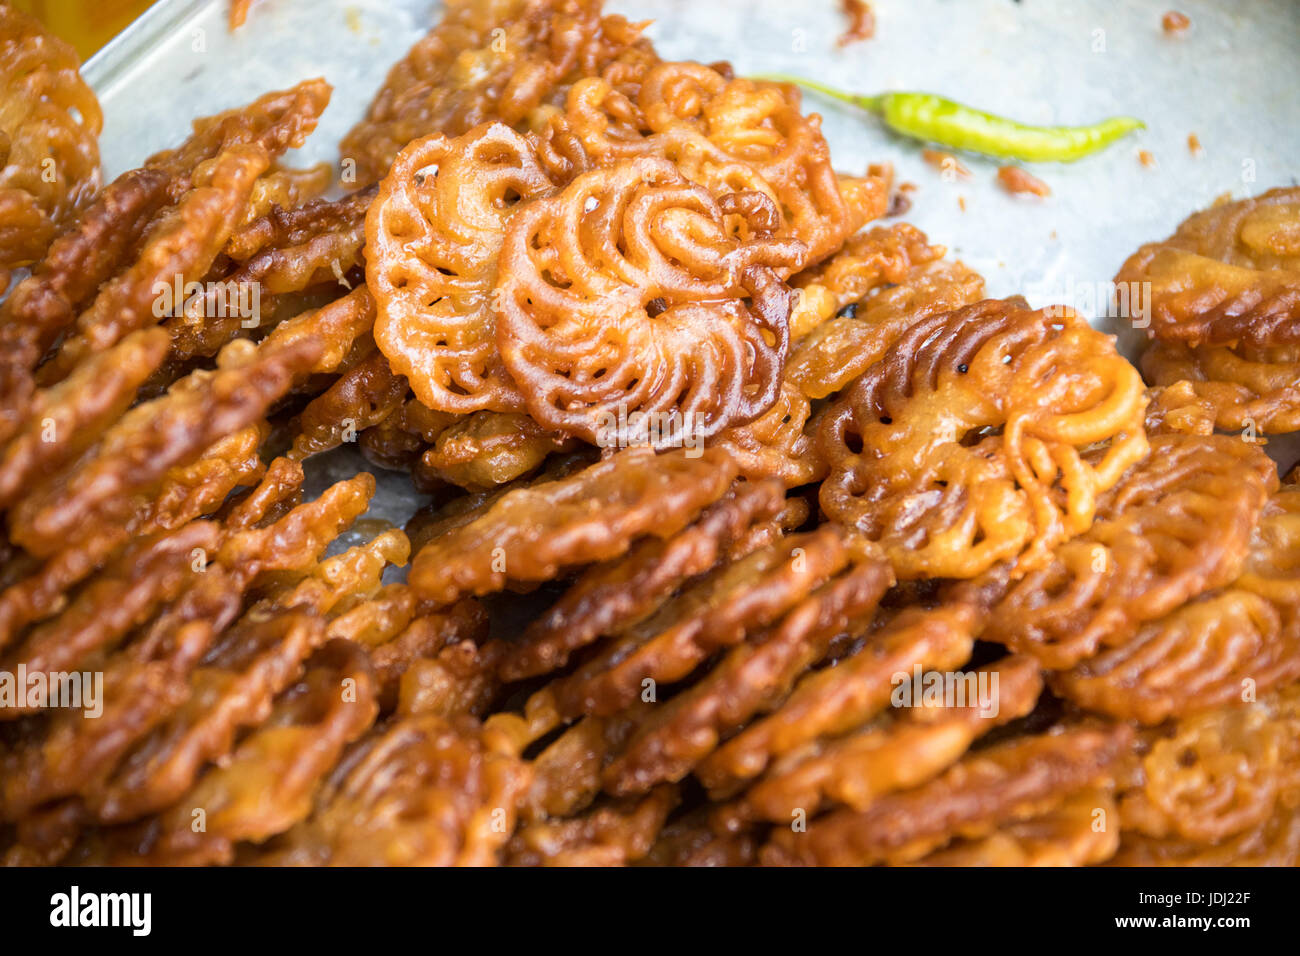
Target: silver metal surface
point(1232, 80)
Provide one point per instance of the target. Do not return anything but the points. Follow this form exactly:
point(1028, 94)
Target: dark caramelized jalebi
point(422, 789)
point(611, 835)
point(1216, 651)
point(65, 281)
point(610, 597)
point(626, 294)
point(49, 128)
point(432, 238)
point(489, 449)
point(136, 452)
point(1229, 274)
point(1177, 524)
point(1014, 780)
point(751, 677)
point(717, 612)
point(891, 753)
point(840, 698)
point(1077, 833)
point(963, 446)
point(531, 533)
point(493, 60)
point(361, 397)
point(268, 782)
point(184, 243)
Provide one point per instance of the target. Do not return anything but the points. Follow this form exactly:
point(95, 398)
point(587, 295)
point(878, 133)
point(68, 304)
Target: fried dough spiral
point(432, 238)
point(963, 446)
point(489, 61)
point(1228, 274)
point(1179, 523)
point(627, 293)
point(1219, 650)
point(49, 150)
point(1251, 390)
point(729, 135)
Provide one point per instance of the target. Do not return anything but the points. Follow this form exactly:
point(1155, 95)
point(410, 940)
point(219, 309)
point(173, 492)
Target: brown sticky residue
point(1015, 180)
point(900, 201)
point(946, 163)
point(1194, 144)
point(862, 22)
point(1174, 22)
point(1146, 159)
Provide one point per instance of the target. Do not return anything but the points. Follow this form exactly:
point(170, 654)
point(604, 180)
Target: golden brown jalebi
point(1252, 390)
point(1178, 408)
point(282, 252)
point(1219, 650)
point(1228, 274)
point(153, 571)
point(65, 419)
point(838, 699)
point(86, 255)
point(729, 135)
point(1177, 524)
point(422, 789)
point(1276, 842)
point(276, 122)
point(611, 597)
point(753, 676)
point(49, 138)
point(839, 349)
point(624, 300)
point(614, 834)
point(489, 449)
point(493, 60)
point(285, 758)
point(1077, 833)
point(425, 636)
point(143, 683)
point(963, 446)
point(432, 237)
point(732, 505)
point(1214, 775)
point(869, 262)
point(137, 451)
point(531, 533)
point(718, 612)
point(894, 752)
point(1017, 779)
point(363, 396)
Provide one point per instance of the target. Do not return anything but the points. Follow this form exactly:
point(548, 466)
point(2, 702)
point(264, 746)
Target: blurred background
point(86, 24)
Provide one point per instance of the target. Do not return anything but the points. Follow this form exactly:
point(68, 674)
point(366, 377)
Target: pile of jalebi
point(751, 532)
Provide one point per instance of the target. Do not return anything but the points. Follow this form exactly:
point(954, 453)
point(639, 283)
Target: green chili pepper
point(938, 120)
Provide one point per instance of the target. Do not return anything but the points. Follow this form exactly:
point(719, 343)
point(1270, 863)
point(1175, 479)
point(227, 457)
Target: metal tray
point(1231, 80)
